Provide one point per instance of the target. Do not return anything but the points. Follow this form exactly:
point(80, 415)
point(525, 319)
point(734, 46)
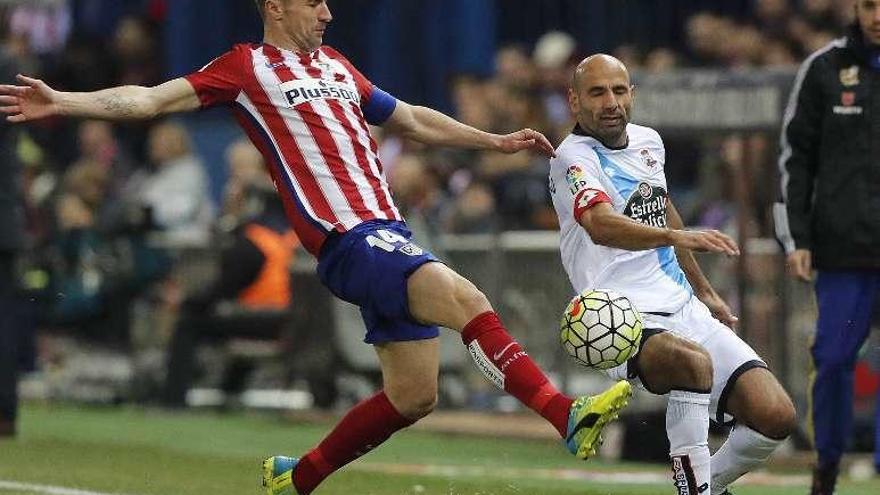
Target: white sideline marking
point(47, 489)
point(641, 477)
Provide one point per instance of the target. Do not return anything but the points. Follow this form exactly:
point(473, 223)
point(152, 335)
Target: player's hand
point(800, 263)
point(525, 139)
point(32, 101)
point(719, 309)
point(705, 241)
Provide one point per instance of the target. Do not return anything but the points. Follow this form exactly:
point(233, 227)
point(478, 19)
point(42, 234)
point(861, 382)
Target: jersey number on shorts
point(390, 241)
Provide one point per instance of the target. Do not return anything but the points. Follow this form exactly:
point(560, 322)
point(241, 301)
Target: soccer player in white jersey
point(306, 108)
point(620, 231)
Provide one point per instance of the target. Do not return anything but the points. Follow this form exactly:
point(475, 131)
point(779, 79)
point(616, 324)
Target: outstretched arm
point(432, 127)
point(34, 100)
point(609, 228)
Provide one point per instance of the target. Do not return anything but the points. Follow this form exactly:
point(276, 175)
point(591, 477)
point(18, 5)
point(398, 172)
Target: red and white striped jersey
point(306, 115)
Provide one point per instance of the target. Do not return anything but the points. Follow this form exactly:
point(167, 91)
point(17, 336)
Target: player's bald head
point(599, 65)
point(601, 98)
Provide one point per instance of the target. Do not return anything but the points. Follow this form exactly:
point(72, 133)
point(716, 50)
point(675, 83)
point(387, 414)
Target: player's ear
point(573, 101)
point(632, 90)
point(274, 9)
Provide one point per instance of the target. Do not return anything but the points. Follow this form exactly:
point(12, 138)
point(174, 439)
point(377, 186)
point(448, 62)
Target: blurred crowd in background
point(108, 205)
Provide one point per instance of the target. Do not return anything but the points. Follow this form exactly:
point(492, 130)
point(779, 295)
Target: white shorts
point(731, 356)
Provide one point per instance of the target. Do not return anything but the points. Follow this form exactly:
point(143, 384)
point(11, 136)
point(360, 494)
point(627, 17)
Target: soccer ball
point(600, 329)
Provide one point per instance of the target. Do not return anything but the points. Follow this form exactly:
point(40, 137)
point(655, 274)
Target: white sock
point(687, 426)
point(744, 450)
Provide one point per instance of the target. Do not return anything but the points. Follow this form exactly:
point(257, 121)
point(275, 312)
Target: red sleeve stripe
point(218, 82)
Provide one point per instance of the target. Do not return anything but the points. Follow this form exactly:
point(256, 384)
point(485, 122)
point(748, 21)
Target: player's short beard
point(609, 137)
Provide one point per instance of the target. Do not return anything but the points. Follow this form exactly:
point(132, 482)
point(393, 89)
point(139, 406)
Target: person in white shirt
point(177, 192)
point(620, 231)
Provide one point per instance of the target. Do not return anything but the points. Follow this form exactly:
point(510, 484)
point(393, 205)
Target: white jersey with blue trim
point(633, 181)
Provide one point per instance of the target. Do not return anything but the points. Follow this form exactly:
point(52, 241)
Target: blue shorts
point(369, 266)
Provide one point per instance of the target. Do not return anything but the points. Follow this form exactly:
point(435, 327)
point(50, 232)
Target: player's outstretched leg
point(438, 295)
point(670, 364)
point(364, 427)
point(765, 417)
point(409, 378)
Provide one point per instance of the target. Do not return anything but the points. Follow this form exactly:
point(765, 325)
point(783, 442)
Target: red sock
point(363, 428)
point(506, 364)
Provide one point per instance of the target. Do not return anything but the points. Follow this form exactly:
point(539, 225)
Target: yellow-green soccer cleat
point(588, 415)
point(278, 475)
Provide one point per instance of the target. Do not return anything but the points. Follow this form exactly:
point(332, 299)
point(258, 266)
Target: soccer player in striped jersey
point(620, 231)
point(306, 108)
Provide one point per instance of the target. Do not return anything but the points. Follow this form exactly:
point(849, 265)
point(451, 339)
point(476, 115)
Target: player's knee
point(777, 420)
point(469, 298)
point(696, 367)
point(668, 362)
point(418, 404)
point(786, 420)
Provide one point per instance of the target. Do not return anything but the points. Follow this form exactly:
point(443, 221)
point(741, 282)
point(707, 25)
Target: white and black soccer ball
point(600, 329)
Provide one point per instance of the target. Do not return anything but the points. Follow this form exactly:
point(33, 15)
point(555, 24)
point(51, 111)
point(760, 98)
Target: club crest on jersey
point(298, 92)
point(647, 159)
point(849, 76)
point(575, 178)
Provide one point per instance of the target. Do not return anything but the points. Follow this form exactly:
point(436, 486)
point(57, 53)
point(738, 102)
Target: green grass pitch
point(144, 452)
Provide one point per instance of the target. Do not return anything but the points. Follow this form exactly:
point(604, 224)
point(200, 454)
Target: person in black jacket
point(830, 219)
